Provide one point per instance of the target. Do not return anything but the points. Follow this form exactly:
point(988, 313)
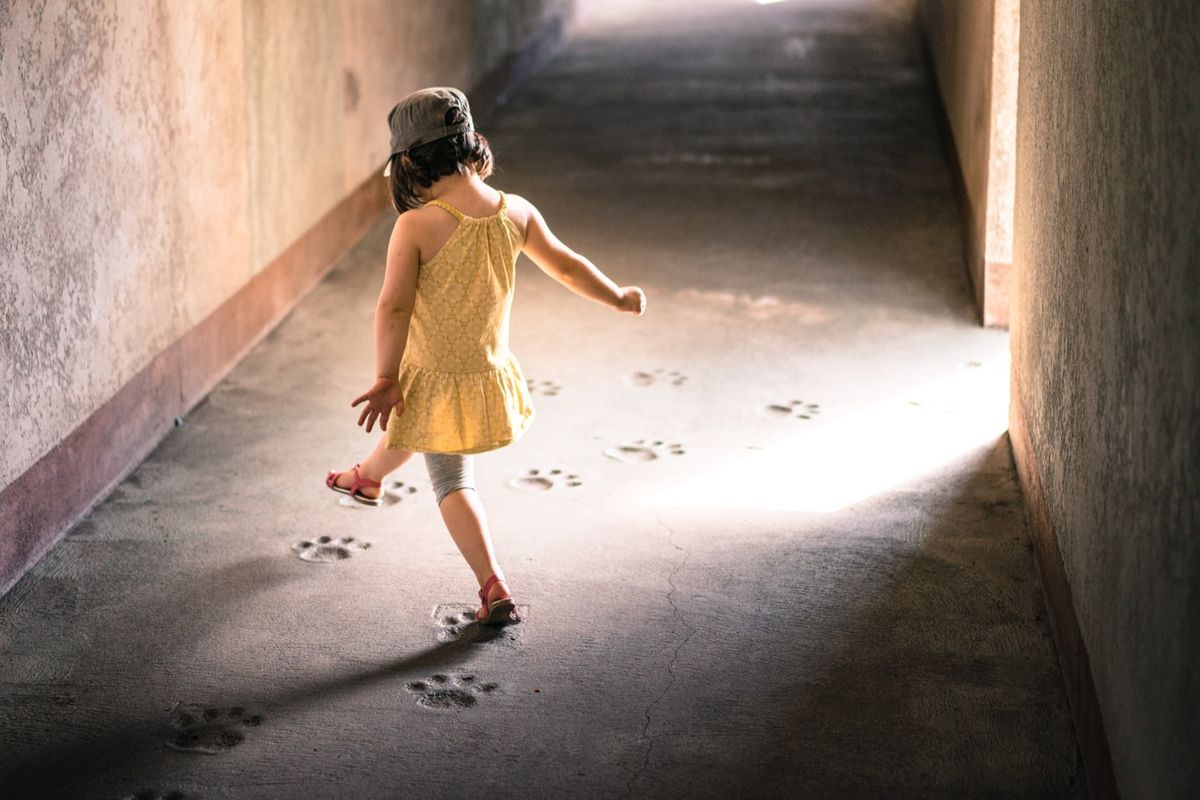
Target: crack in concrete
point(691, 630)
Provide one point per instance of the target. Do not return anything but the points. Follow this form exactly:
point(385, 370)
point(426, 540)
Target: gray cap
point(420, 118)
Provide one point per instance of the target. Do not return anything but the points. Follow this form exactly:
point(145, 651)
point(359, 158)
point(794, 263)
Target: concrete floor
point(817, 585)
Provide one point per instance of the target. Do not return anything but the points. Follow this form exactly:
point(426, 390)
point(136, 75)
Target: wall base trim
point(44, 503)
point(1068, 638)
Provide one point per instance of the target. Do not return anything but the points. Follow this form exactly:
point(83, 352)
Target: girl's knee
point(441, 496)
point(449, 474)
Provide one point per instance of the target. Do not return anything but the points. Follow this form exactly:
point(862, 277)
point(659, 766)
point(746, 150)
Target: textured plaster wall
point(1105, 344)
point(974, 46)
point(122, 184)
point(294, 98)
point(319, 86)
point(960, 42)
point(154, 156)
point(1002, 131)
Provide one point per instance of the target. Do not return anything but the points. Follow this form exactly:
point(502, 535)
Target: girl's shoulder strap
point(442, 204)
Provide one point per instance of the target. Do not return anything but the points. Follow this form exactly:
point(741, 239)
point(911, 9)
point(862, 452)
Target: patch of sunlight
point(831, 466)
point(764, 307)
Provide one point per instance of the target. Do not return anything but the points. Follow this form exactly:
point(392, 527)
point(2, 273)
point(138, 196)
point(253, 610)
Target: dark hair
point(424, 164)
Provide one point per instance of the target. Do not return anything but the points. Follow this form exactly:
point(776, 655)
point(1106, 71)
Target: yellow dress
point(463, 390)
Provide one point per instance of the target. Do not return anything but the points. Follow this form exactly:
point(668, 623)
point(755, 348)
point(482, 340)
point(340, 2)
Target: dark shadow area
point(880, 665)
point(71, 766)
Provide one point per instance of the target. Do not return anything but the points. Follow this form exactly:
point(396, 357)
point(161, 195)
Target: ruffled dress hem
point(460, 413)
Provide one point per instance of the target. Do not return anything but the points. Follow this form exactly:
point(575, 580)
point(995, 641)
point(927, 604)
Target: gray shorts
point(450, 473)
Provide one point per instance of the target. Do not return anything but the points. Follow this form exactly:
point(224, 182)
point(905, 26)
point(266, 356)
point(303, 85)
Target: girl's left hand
point(632, 300)
point(381, 398)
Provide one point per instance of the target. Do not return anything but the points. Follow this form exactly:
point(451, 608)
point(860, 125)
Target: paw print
point(640, 378)
point(643, 450)
point(326, 549)
point(453, 621)
point(797, 408)
point(546, 388)
point(199, 729)
point(441, 691)
point(456, 622)
point(538, 480)
point(395, 491)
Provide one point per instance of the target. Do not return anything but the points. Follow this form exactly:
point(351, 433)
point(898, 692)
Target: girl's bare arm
point(573, 270)
point(393, 312)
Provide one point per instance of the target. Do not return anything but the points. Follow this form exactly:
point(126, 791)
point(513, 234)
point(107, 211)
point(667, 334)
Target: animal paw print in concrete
point(536, 481)
point(456, 622)
point(200, 729)
point(658, 376)
point(546, 388)
point(453, 621)
point(396, 491)
point(442, 691)
point(393, 492)
point(797, 408)
point(325, 549)
point(643, 450)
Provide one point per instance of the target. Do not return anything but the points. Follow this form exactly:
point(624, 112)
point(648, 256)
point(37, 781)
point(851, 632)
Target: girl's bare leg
point(462, 511)
point(376, 467)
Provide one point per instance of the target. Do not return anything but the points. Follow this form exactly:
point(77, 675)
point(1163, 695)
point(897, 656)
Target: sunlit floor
point(767, 538)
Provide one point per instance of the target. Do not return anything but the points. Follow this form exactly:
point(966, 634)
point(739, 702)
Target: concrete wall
point(124, 199)
point(1106, 349)
point(155, 156)
point(974, 50)
point(960, 42)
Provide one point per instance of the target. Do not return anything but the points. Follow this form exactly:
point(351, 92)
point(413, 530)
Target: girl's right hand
point(633, 300)
point(381, 399)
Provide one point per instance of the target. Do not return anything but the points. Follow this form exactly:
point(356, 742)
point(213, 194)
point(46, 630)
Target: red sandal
point(355, 490)
point(497, 612)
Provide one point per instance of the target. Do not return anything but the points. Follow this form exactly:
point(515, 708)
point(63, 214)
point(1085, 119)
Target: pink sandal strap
point(355, 488)
point(361, 482)
point(487, 586)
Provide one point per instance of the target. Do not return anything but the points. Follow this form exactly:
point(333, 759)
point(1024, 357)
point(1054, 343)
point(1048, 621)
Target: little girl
point(447, 385)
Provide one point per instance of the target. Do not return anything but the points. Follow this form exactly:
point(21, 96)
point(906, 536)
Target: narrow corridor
point(773, 546)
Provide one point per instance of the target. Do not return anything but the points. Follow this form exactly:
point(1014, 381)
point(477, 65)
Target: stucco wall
point(960, 43)
point(974, 47)
point(1106, 348)
point(154, 156)
point(124, 199)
